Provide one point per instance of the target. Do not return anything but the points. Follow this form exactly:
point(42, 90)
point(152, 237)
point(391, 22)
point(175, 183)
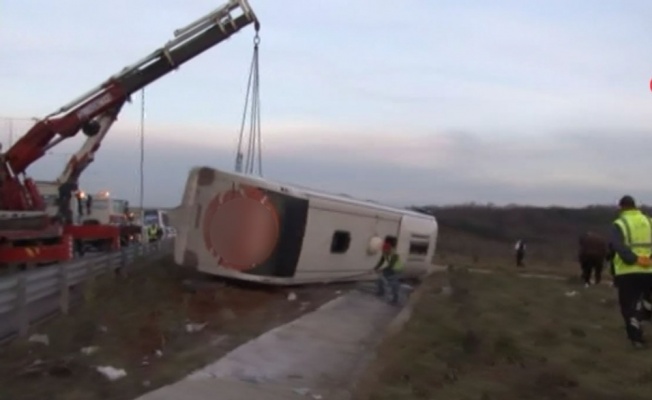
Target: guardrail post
point(22, 315)
point(89, 282)
point(123, 258)
point(121, 269)
point(107, 262)
point(64, 289)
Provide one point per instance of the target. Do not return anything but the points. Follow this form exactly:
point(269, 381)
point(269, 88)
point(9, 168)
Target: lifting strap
point(254, 142)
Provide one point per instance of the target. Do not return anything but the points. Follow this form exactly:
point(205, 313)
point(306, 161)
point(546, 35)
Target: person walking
point(592, 254)
point(519, 248)
point(631, 239)
point(389, 266)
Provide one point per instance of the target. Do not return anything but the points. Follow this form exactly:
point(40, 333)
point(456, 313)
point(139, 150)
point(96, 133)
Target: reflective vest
point(398, 265)
point(152, 231)
point(637, 234)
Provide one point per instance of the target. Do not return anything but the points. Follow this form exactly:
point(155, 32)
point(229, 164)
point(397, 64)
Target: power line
point(142, 150)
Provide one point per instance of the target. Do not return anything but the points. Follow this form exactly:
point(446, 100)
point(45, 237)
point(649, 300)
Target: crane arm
point(188, 43)
point(68, 181)
point(86, 153)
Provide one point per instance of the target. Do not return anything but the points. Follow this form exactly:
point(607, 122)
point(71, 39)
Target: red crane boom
point(19, 198)
point(78, 115)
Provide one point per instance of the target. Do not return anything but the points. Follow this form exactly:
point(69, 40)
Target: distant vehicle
point(155, 216)
point(103, 209)
point(248, 228)
point(160, 219)
point(96, 222)
point(49, 191)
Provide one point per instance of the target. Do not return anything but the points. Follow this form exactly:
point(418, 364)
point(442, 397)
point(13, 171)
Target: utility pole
point(11, 132)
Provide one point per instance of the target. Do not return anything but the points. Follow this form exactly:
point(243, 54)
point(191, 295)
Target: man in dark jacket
point(592, 255)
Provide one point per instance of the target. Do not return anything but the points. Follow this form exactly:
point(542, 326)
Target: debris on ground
point(195, 327)
point(39, 338)
point(218, 340)
point(227, 314)
point(89, 350)
point(292, 296)
point(147, 319)
point(571, 293)
point(111, 373)
point(54, 368)
point(306, 392)
point(446, 290)
point(301, 391)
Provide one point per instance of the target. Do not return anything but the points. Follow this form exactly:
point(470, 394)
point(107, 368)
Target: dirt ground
point(131, 319)
point(498, 336)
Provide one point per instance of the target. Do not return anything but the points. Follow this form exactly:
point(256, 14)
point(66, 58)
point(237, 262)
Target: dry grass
point(497, 336)
point(129, 319)
point(484, 237)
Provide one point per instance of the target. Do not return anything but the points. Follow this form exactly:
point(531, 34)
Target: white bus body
point(249, 228)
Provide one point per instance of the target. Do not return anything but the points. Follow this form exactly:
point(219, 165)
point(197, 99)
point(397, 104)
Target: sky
point(420, 102)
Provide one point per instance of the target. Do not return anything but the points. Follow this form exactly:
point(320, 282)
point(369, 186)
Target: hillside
point(484, 234)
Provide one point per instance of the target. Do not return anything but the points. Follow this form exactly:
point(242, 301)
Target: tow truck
point(99, 211)
point(27, 234)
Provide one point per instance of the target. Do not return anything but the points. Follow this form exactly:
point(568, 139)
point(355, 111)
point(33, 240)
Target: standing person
point(631, 239)
point(152, 233)
point(592, 254)
point(519, 248)
point(389, 266)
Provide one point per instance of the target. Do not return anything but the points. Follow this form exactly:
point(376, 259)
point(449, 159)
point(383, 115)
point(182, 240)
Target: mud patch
point(140, 324)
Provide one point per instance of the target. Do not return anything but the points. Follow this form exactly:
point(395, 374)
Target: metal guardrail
point(31, 296)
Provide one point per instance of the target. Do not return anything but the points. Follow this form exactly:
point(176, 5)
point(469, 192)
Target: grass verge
point(498, 336)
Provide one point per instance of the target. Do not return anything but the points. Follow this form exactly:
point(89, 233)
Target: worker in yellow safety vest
point(152, 233)
point(631, 239)
point(390, 266)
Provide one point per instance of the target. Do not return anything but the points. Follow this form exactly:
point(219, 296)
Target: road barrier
point(29, 297)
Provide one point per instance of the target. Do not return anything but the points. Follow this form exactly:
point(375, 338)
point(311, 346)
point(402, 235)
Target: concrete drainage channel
point(319, 355)
point(223, 315)
point(122, 336)
point(310, 357)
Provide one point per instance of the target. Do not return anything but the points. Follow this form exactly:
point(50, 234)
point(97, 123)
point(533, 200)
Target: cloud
point(574, 168)
point(539, 102)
